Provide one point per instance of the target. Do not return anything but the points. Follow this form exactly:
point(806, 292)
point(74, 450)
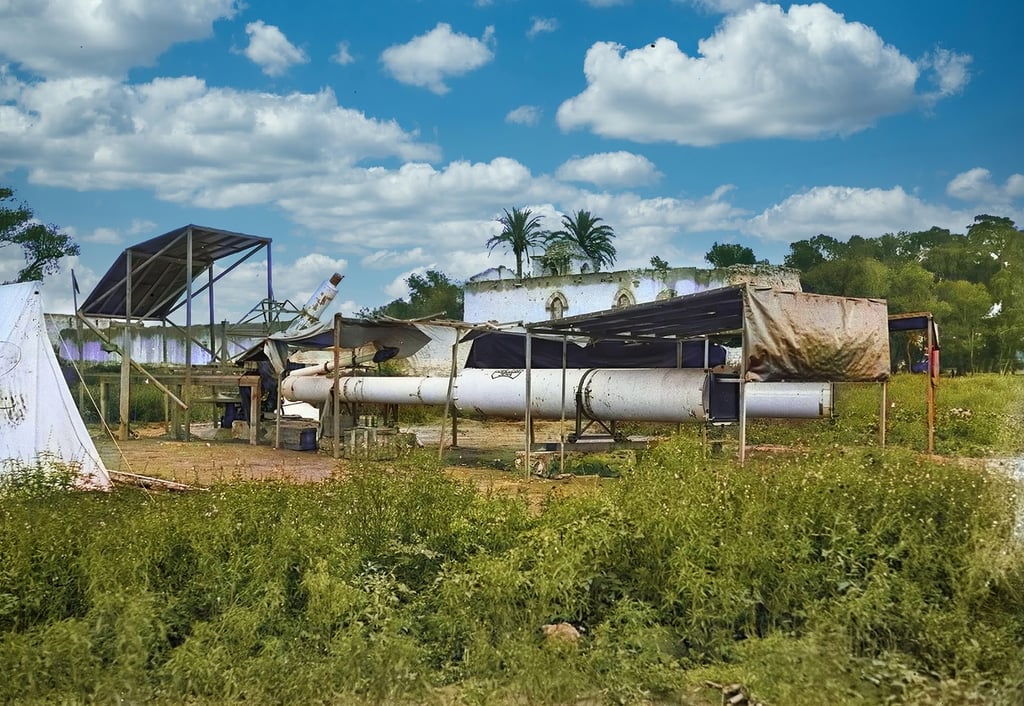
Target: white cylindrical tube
point(371, 390)
point(617, 394)
point(644, 394)
point(789, 400)
point(502, 393)
point(310, 314)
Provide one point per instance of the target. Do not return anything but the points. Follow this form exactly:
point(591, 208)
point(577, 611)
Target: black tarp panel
point(506, 350)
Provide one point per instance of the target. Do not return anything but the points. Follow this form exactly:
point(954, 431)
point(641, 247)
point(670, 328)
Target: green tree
point(998, 240)
point(848, 277)
point(520, 233)
point(729, 254)
point(589, 238)
point(963, 324)
point(806, 254)
point(41, 245)
point(557, 258)
point(912, 288)
point(658, 264)
point(430, 295)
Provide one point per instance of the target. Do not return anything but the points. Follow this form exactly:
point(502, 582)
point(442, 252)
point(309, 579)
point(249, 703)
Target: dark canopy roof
point(159, 271)
point(792, 336)
point(689, 316)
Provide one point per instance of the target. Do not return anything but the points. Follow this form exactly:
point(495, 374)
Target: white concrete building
point(495, 295)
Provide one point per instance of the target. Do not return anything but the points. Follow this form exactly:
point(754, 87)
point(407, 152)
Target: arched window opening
point(557, 306)
point(623, 299)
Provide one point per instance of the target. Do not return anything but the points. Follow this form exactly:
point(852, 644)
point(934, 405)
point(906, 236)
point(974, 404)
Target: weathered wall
point(495, 296)
point(150, 344)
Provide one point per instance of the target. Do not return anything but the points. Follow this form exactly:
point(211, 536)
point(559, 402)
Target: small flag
point(74, 283)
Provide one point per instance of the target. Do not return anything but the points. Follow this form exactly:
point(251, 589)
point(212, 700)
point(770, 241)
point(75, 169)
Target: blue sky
point(383, 138)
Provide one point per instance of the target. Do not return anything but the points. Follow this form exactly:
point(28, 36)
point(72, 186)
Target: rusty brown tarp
point(815, 338)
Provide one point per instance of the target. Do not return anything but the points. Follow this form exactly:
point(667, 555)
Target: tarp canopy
point(788, 336)
point(159, 270)
point(39, 422)
point(796, 336)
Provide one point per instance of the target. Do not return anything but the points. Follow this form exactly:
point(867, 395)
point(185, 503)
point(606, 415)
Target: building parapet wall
point(502, 299)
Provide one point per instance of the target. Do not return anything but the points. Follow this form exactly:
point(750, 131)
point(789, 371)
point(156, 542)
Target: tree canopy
point(42, 245)
point(588, 237)
point(520, 233)
point(973, 283)
point(729, 254)
point(430, 294)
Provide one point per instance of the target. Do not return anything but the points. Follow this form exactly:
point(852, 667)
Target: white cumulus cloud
point(344, 55)
point(765, 73)
point(271, 50)
point(977, 185)
point(186, 141)
point(610, 169)
point(107, 37)
point(427, 60)
point(724, 7)
point(842, 211)
point(524, 115)
point(542, 25)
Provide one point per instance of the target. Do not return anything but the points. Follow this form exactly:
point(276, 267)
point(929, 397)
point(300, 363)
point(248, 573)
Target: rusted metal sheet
point(797, 336)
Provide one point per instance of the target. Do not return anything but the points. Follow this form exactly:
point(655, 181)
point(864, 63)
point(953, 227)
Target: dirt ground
point(485, 456)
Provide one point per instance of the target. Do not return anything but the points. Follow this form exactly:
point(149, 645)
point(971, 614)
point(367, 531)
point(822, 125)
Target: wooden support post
point(448, 405)
point(104, 402)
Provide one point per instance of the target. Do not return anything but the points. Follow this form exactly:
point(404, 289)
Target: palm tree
point(521, 231)
point(588, 237)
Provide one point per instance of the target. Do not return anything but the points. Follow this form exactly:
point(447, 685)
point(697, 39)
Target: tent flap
point(797, 336)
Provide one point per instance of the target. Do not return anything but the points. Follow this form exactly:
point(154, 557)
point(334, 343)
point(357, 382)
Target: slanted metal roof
point(159, 271)
point(711, 312)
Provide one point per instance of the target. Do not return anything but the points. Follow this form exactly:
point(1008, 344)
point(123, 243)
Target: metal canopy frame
point(723, 311)
point(918, 321)
point(148, 280)
point(688, 317)
point(151, 280)
point(692, 316)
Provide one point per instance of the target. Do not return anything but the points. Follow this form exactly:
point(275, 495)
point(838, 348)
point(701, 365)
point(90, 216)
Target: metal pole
point(213, 335)
point(529, 402)
point(932, 376)
point(883, 414)
point(336, 403)
point(126, 352)
point(81, 345)
point(743, 385)
point(188, 335)
point(270, 276)
point(451, 398)
point(561, 428)
point(277, 415)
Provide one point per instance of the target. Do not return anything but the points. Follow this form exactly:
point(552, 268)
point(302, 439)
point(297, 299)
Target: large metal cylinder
point(633, 394)
point(369, 390)
point(789, 400)
point(644, 394)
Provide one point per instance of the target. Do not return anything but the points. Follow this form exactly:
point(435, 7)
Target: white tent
point(39, 422)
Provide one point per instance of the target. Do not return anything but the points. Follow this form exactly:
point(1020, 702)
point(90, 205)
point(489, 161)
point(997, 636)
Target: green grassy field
point(841, 574)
